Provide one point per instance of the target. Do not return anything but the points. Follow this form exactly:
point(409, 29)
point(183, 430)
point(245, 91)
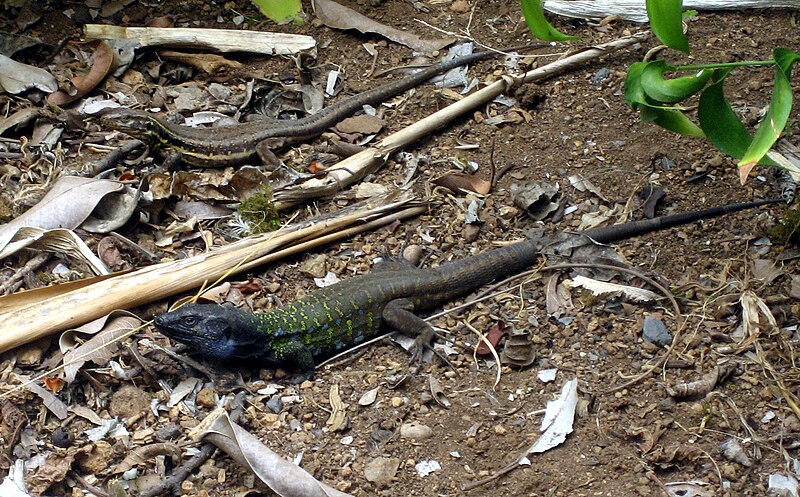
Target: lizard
point(244, 142)
point(357, 309)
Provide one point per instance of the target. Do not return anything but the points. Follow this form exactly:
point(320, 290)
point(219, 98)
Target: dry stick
point(26, 321)
point(354, 168)
point(30, 266)
point(207, 449)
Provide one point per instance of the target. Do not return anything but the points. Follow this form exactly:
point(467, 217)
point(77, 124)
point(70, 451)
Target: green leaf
point(668, 118)
point(720, 124)
point(670, 90)
point(672, 120)
point(280, 11)
point(534, 17)
point(665, 20)
point(777, 115)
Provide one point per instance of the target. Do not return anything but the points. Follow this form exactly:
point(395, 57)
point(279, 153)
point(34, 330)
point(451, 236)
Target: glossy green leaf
point(720, 124)
point(280, 11)
point(666, 22)
point(777, 115)
point(670, 90)
point(669, 118)
point(534, 18)
point(672, 120)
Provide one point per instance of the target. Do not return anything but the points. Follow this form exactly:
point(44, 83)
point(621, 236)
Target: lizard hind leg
point(399, 314)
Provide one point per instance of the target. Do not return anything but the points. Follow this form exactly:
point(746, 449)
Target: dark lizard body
point(242, 143)
point(345, 314)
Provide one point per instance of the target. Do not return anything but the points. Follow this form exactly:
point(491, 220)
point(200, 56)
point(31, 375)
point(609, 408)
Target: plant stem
point(720, 65)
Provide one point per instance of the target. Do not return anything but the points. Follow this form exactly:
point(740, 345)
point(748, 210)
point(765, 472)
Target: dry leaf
point(460, 182)
point(338, 16)
point(362, 123)
point(16, 77)
point(493, 336)
point(603, 288)
point(283, 477)
point(53, 404)
point(100, 349)
point(102, 65)
point(70, 201)
point(206, 62)
point(765, 270)
point(338, 418)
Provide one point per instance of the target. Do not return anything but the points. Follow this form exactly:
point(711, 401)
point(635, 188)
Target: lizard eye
point(189, 320)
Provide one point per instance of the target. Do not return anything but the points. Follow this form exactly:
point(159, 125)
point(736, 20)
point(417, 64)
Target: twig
point(173, 483)
point(30, 266)
point(112, 158)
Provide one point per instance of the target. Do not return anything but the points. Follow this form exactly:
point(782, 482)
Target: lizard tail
point(632, 229)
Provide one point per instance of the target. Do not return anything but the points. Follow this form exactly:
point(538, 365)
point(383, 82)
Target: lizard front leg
point(399, 314)
point(295, 355)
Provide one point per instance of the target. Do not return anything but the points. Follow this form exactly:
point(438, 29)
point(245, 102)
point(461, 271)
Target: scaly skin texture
point(355, 310)
point(242, 143)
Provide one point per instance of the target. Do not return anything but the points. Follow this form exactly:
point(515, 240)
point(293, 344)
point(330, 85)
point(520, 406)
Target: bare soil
point(626, 442)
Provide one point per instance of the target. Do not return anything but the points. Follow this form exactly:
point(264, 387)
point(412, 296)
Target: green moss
point(259, 212)
point(787, 231)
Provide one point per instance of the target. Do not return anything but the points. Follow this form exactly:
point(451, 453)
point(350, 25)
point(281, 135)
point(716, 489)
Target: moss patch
point(259, 212)
point(787, 231)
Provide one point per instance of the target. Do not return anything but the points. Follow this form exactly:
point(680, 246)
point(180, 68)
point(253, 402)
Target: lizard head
point(136, 123)
point(218, 332)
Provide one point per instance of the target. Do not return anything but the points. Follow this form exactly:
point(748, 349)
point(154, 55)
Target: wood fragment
point(220, 40)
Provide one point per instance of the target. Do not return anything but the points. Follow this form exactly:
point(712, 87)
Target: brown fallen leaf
point(207, 62)
point(338, 16)
point(493, 336)
point(54, 384)
point(362, 123)
point(460, 182)
point(104, 61)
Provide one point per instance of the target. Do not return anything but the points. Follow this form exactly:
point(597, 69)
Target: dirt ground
point(630, 441)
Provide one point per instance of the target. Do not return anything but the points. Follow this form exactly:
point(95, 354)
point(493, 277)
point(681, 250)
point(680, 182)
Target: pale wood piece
point(219, 40)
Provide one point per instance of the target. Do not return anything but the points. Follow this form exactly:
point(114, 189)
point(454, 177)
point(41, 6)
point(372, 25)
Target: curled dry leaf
point(338, 16)
point(460, 182)
point(584, 185)
point(338, 418)
point(281, 476)
point(535, 198)
point(19, 118)
point(101, 67)
point(437, 392)
point(701, 387)
point(16, 77)
point(652, 195)
point(603, 288)
point(146, 453)
point(519, 349)
point(70, 202)
point(493, 336)
point(108, 330)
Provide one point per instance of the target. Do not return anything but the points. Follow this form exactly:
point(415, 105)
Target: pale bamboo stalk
point(355, 167)
point(220, 40)
point(635, 10)
point(26, 322)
